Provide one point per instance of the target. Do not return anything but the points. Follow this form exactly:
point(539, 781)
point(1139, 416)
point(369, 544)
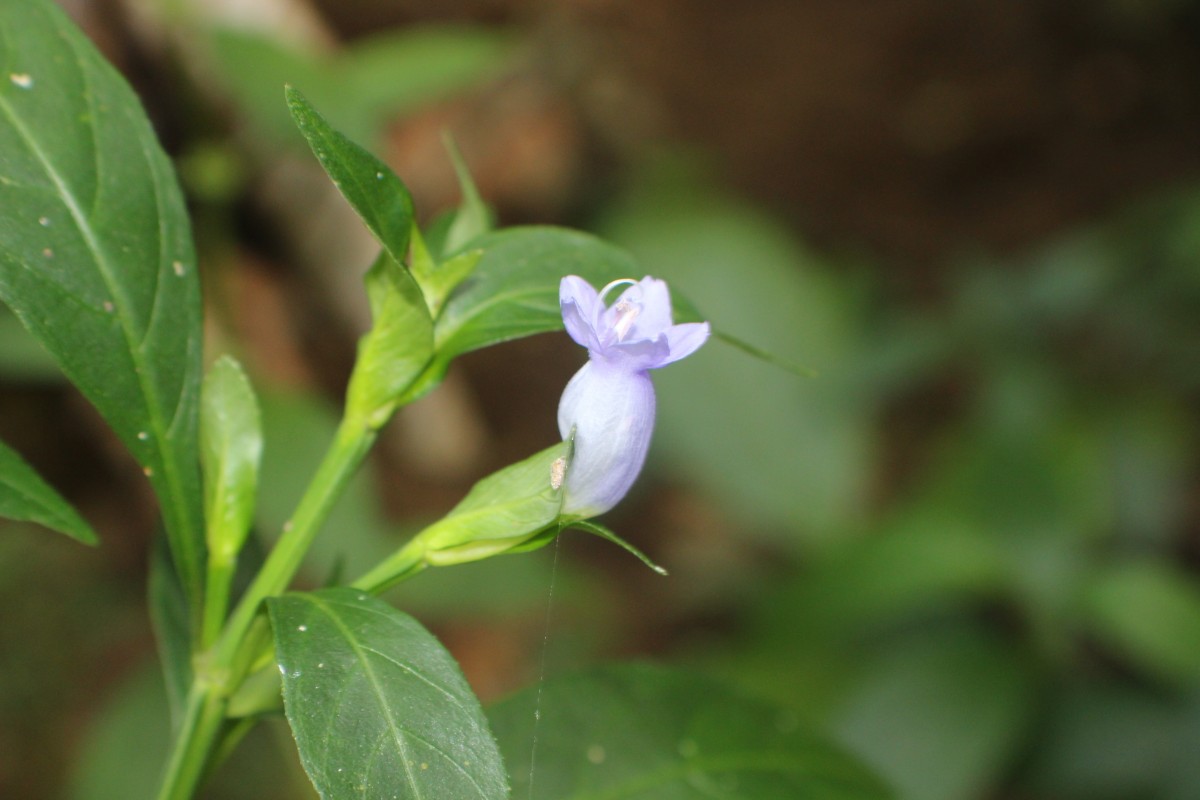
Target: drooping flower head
point(609, 403)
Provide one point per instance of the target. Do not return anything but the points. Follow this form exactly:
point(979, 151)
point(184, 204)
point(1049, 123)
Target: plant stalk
point(350, 446)
point(218, 669)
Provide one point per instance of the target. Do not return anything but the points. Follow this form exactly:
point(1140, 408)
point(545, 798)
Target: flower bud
point(609, 404)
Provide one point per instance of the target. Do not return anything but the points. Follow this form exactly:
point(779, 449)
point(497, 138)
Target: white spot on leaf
point(22, 79)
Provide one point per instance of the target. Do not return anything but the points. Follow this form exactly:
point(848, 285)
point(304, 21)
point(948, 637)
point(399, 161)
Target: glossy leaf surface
point(648, 733)
point(513, 510)
point(502, 509)
point(231, 441)
point(369, 185)
point(438, 280)
point(96, 255)
point(25, 496)
point(396, 349)
point(513, 291)
point(377, 705)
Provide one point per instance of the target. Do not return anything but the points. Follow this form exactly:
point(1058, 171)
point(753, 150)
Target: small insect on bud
point(558, 471)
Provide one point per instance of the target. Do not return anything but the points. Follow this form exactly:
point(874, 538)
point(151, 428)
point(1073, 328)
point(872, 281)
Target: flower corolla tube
point(609, 404)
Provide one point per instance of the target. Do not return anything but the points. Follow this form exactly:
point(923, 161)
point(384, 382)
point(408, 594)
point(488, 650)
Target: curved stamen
point(612, 284)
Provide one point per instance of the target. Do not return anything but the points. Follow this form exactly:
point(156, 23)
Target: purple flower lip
point(609, 403)
point(636, 332)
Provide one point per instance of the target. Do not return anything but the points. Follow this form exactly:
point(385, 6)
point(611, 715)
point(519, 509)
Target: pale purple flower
point(609, 403)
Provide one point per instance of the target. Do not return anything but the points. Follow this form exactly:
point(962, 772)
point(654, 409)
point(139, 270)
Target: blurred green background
point(967, 549)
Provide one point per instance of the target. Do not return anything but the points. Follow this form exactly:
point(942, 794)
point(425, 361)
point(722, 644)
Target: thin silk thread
point(537, 703)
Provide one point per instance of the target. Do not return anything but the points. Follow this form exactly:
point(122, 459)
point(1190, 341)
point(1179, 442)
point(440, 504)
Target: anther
point(627, 314)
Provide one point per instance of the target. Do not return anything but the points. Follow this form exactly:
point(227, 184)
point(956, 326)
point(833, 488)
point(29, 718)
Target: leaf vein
point(376, 687)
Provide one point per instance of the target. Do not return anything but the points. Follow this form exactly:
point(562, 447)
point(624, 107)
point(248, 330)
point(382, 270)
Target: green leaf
point(648, 733)
point(596, 529)
point(510, 511)
point(370, 186)
point(1151, 613)
point(26, 497)
point(943, 715)
point(513, 291)
point(96, 255)
point(437, 281)
point(231, 447)
point(473, 218)
point(172, 627)
point(500, 511)
point(396, 349)
point(377, 705)
point(22, 359)
point(1109, 739)
point(360, 88)
point(928, 558)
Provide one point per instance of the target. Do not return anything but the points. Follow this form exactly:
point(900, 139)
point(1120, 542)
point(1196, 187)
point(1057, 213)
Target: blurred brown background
point(898, 143)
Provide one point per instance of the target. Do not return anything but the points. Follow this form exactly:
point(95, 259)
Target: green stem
point(219, 670)
point(202, 722)
point(350, 446)
point(216, 596)
point(404, 563)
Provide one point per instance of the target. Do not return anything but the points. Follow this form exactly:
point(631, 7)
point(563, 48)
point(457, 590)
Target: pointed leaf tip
point(25, 497)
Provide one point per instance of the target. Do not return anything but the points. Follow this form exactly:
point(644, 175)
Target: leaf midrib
point(120, 301)
point(377, 688)
point(478, 309)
